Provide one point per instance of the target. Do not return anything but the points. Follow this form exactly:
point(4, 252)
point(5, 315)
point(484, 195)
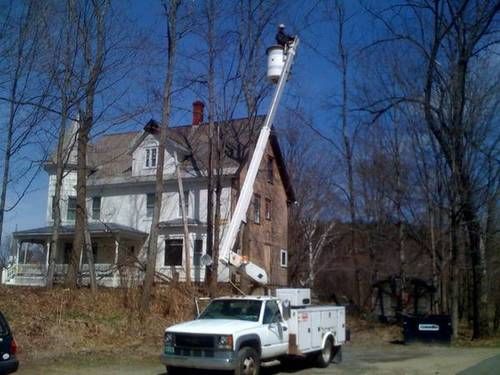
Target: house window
point(94, 254)
point(150, 204)
point(283, 258)
point(270, 172)
point(198, 250)
point(269, 209)
point(53, 207)
point(151, 157)
point(173, 252)
point(186, 203)
point(229, 151)
point(71, 213)
point(96, 208)
point(256, 208)
point(68, 249)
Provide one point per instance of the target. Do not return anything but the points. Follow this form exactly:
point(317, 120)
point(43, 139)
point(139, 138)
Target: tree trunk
point(217, 218)
point(152, 244)
point(56, 199)
point(6, 160)
point(187, 242)
point(90, 258)
point(71, 280)
point(454, 295)
point(211, 118)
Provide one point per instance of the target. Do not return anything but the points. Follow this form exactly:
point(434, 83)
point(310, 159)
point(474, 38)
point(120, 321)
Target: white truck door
point(275, 333)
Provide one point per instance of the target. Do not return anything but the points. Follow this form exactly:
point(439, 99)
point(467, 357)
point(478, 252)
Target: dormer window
point(151, 157)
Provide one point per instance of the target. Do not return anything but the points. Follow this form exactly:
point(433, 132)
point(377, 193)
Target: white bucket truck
point(238, 333)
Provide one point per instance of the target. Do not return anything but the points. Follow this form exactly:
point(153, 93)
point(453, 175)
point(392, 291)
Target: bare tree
point(93, 31)
point(64, 51)
point(311, 220)
point(171, 13)
point(461, 34)
point(25, 103)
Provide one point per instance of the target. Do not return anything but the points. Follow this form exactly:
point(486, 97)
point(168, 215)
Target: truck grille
point(194, 352)
point(194, 342)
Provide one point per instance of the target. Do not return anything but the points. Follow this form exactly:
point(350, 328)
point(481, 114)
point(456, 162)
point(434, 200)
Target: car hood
point(213, 326)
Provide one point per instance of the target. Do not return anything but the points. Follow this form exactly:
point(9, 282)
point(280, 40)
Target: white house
point(120, 189)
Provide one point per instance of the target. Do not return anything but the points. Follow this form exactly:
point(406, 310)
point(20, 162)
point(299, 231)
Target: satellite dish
point(206, 260)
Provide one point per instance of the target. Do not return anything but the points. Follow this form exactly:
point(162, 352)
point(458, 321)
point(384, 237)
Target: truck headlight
point(224, 342)
point(169, 339)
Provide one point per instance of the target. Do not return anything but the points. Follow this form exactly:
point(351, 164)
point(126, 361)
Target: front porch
point(112, 246)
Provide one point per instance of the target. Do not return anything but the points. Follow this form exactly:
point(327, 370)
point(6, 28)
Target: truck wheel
point(248, 362)
point(324, 356)
point(337, 354)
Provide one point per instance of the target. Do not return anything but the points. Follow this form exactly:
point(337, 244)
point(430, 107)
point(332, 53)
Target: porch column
point(18, 246)
point(117, 247)
point(47, 257)
point(116, 274)
point(81, 261)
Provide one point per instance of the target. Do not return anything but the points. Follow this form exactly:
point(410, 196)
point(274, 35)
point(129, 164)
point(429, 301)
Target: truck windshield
point(233, 309)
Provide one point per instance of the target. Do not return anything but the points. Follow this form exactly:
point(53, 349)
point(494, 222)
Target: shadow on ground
point(486, 367)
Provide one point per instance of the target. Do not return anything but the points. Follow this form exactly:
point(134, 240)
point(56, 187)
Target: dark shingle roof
point(94, 228)
point(111, 155)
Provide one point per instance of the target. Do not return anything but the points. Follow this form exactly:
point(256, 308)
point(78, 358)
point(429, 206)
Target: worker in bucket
point(282, 38)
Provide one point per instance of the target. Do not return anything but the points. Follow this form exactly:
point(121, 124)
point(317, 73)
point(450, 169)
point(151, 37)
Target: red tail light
point(13, 347)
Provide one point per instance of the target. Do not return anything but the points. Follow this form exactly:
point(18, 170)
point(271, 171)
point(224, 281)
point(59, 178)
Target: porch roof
point(94, 228)
point(179, 223)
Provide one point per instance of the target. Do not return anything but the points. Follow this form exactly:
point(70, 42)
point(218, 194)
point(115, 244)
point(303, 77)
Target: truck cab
point(232, 333)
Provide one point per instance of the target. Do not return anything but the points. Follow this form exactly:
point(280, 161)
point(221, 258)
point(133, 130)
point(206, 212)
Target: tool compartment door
point(304, 340)
point(315, 329)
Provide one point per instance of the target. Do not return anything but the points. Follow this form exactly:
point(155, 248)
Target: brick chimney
point(198, 112)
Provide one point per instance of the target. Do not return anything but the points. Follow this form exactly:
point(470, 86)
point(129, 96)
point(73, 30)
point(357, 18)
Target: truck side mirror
point(286, 309)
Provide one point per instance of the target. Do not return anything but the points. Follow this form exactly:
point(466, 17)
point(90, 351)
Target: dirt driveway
point(382, 359)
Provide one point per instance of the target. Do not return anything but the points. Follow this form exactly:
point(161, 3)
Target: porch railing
point(41, 269)
point(32, 269)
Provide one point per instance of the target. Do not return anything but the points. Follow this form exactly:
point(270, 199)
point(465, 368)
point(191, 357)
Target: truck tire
point(337, 354)
point(324, 356)
point(248, 362)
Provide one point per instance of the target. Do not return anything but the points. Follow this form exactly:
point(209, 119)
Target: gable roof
point(111, 155)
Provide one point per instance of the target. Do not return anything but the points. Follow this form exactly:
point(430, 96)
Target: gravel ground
point(382, 359)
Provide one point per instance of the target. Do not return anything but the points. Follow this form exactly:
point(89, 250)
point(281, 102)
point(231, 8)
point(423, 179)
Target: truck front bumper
point(220, 361)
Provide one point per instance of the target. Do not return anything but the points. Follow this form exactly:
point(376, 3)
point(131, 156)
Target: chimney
point(198, 112)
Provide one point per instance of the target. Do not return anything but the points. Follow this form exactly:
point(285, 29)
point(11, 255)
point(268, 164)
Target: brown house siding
point(263, 242)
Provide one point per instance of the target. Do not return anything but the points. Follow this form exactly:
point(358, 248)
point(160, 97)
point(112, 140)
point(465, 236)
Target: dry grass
point(62, 322)
point(371, 332)
point(58, 322)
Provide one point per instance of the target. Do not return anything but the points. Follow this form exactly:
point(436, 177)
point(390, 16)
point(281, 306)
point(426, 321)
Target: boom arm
point(227, 256)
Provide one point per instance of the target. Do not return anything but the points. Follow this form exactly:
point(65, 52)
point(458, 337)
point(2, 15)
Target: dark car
point(8, 348)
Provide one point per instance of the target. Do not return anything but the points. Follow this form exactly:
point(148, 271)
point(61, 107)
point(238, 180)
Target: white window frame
point(71, 197)
point(148, 216)
point(173, 237)
point(187, 202)
point(256, 207)
point(96, 210)
point(148, 158)
point(285, 253)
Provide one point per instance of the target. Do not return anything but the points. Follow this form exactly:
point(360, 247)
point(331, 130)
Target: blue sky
point(313, 86)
